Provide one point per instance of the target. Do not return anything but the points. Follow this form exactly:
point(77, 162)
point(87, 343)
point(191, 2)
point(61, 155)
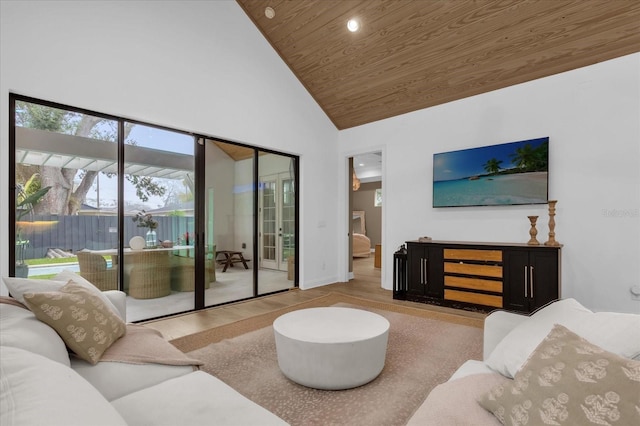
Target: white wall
point(220, 180)
point(592, 116)
point(191, 65)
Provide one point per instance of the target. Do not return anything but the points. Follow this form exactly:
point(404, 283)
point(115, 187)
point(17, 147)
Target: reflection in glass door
point(250, 235)
point(277, 222)
point(229, 220)
point(288, 222)
point(270, 231)
point(277, 225)
point(159, 254)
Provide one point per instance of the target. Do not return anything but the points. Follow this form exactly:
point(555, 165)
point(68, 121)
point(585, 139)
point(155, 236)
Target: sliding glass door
point(66, 193)
point(159, 254)
point(252, 232)
point(176, 221)
point(277, 220)
point(229, 217)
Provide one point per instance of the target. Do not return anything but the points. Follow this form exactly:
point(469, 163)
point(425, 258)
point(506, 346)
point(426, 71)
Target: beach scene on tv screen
point(502, 174)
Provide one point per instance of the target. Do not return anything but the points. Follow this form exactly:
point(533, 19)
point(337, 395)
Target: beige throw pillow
point(612, 331)
point(569, 381)
point(19, 286)
point(85, 323)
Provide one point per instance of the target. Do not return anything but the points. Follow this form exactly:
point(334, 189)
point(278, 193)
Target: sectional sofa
point(40, 383)
point(563, 365)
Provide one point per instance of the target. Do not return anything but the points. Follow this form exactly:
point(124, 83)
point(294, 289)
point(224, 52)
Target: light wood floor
point(366, 284)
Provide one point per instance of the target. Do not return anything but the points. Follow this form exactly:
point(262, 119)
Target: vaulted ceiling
point(414, 54)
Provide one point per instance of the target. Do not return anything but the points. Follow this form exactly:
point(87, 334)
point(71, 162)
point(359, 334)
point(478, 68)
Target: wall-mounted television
point(496, 175)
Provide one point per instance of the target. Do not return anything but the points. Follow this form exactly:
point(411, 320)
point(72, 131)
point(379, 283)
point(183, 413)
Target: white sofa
point(509, 342)
point(40, 384)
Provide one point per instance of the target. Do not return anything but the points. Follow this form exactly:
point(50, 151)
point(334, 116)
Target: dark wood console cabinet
point(481, 276)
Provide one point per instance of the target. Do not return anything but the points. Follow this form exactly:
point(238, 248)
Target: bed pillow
point(85, 323)
point(569, 381)
point(615, 332)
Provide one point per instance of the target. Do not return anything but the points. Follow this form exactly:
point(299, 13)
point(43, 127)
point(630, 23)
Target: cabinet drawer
point(471, 254)
point(473, 283)
point(476, 298)
point(494, 271)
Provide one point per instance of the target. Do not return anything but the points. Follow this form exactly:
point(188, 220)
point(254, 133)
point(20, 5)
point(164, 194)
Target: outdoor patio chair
point(93, 267)
point(183, 273)
point(147, 274)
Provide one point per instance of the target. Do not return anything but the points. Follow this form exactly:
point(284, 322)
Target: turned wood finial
point(533, 231)
point(552, 224)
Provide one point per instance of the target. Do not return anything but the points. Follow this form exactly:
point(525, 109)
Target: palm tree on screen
point(492, 166)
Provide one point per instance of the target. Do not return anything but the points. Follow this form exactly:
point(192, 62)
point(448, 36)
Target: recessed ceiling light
point(353, 25)
point(269, 12)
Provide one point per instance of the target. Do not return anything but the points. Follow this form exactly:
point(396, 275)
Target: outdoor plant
point(28, 196)
point(145, 220)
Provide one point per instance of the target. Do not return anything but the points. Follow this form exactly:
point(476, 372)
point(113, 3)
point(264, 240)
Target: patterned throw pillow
point(80, 317)
point(569, 381)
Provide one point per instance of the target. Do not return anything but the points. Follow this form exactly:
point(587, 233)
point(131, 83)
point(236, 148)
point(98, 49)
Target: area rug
point(424, 349)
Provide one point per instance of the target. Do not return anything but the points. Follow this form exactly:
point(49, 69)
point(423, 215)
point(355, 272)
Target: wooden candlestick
point(552, 224)
point(533, 231)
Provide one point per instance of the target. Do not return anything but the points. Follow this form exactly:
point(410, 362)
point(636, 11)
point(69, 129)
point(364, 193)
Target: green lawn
point(55, 261)
point(48, 261)
point(42, 277)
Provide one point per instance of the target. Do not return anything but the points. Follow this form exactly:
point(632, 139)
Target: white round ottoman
point(331, 348)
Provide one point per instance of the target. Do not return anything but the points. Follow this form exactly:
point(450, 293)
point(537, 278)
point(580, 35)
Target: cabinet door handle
point(426, 272)
point(531, 280)
point(421, 270)
point(526, 284)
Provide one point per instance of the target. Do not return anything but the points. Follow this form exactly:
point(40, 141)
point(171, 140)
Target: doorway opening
point(365, 212)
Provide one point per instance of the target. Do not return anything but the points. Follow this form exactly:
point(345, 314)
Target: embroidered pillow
point(612, 331)
point(569, 381)
point(85, 323)
point(19, 286)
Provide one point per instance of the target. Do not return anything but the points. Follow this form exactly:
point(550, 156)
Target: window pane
point(230, 216)
point(277, 223)
point(66, 196)
point(158, 206)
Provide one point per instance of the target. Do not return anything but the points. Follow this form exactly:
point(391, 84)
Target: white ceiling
point(368, 167)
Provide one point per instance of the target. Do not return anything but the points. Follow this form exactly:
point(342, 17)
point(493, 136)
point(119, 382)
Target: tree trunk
point(57, 199)
point(80, 194)
point(62, 199)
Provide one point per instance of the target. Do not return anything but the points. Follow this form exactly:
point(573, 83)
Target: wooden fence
point(74, 233)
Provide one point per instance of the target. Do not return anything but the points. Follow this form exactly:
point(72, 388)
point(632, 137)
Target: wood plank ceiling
point(414, 54)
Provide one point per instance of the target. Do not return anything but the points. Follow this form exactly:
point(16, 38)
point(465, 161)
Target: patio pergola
point(44, 148)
